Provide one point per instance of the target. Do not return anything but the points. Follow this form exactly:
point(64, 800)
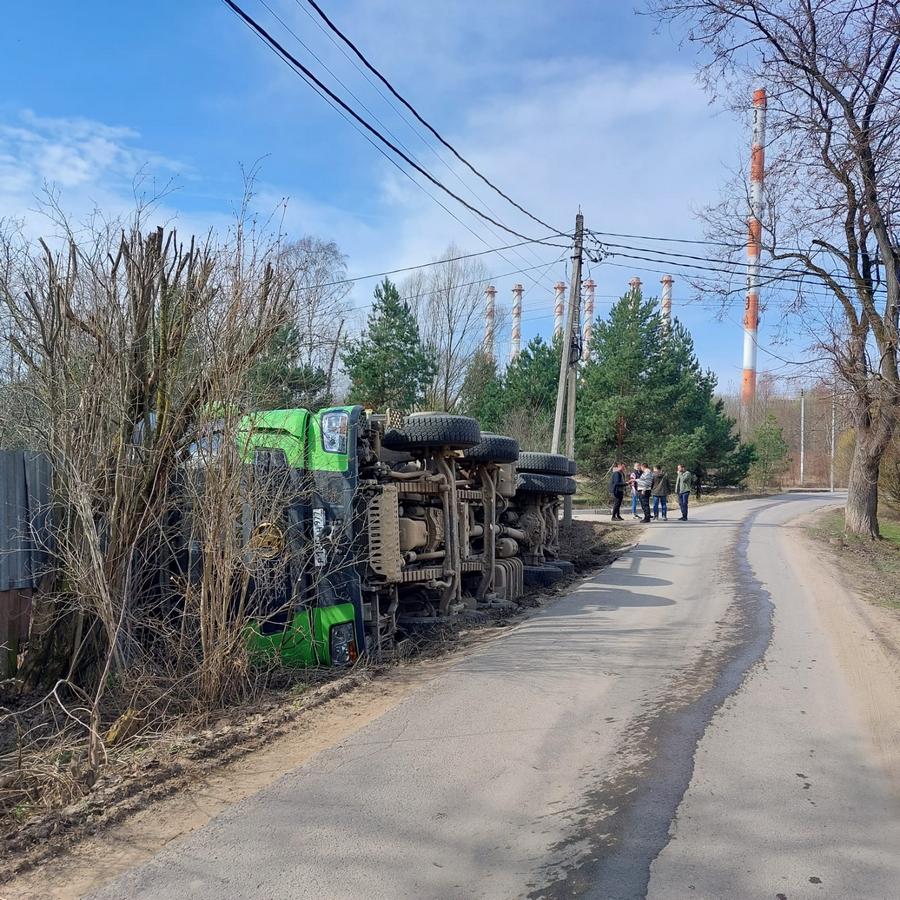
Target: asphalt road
point(676, 726)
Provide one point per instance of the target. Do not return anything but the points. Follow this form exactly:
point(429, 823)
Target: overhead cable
point(309, 76)
point(420, 118)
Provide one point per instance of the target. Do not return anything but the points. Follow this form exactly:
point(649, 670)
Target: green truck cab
point(295, 617)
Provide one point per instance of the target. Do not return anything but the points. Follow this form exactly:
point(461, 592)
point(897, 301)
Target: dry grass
point(873, 566)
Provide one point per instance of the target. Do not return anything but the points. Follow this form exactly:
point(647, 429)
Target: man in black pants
point(617, 490)
point(644, 486)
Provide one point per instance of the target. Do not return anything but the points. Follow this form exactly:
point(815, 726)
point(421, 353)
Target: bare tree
point(131, 344)
point(449, 303)
point(833, 182)
point(318, 270)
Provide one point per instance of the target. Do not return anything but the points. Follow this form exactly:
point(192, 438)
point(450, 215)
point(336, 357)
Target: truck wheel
point(545, 463)
point(536, 483)
point(496, 448)
point(541, 576)
point(564, 566)
point(422, 430)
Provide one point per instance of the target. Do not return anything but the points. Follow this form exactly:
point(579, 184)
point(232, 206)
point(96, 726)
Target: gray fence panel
point(24, 518)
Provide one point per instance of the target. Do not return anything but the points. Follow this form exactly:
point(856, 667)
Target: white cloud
point(90, 164)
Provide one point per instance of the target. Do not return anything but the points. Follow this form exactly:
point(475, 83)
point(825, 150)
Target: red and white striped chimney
point(490, 293)
point(635, 284)
point(559, 308)
point(516, 338)
point(754, 240)
point(588, 331)
point(666, 300)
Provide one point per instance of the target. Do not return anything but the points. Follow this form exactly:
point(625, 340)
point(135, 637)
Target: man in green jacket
point(684, 481)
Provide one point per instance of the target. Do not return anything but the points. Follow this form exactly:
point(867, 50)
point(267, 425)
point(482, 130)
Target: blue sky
point(562, 104)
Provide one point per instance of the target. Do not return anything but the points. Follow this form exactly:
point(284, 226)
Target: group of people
point(646, 484)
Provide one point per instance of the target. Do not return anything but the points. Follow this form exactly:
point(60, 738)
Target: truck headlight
point(335, 426)
point(343, 644)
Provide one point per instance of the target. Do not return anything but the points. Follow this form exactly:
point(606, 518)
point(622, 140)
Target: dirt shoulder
point(162, 791)
point(871, 567)
point(856, 587)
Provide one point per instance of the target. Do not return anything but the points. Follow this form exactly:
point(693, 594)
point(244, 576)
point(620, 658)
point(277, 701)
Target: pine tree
point(278, 382)
point(389, 366)
point(698, 433)
point(529, 394)
point(771, 453)
point(482, 392)
point(617, 415)
point(531, 379)
point(644, 396)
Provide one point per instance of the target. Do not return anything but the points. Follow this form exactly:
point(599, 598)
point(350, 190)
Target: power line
point(788, 275)
point(309, 76)
point(419, 118)
point(353, 122)
point(402, 114)
point(374, 116)
point(674, 240)
point(375, 146)
point(486, 280)
point(787, 272)
point(729, 293)
point(694, 267)
point(434, 262)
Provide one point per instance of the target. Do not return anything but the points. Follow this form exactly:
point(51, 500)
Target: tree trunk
point(861, 515)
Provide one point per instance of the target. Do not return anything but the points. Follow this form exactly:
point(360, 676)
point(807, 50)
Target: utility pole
point(568, 366)
point(802, 433)
point(833, 416)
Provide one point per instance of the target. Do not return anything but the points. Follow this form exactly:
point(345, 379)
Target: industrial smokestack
point(635, 284)
point(516, 342)
point(588, 331)
point(490, 293)
point(666, 300)
point(558, 309)
point(754, 239)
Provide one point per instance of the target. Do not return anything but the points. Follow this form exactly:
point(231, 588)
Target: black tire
point(422, 430)
point(540, 576)
point(536, 483)
point(496, 448)
point(564, 566)
point(545, 463)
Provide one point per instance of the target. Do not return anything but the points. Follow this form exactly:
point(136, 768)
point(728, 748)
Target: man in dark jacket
point(617, 490)
point(660, 491)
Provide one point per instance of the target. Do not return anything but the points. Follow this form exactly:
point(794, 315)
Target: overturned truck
point(394, 525)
